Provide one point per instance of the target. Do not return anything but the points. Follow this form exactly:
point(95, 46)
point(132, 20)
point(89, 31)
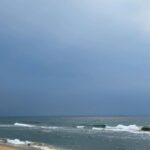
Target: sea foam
point(24, 125)
point(121, 128)
point(80, 127)
point(102, 127)
point(128, 128)
point(35, 126)
point(18, 142)
point(38, 146)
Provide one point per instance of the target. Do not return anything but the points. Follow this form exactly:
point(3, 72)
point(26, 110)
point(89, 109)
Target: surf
point(28, 144)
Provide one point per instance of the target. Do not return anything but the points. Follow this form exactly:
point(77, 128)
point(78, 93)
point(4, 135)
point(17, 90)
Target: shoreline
point(5, 146)
point(9, 147)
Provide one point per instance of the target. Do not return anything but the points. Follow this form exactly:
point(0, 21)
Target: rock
point(100, 126)
point(145, 128)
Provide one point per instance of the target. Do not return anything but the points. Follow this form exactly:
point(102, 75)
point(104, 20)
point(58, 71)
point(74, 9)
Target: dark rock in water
point(100, 126)
point(145, 128)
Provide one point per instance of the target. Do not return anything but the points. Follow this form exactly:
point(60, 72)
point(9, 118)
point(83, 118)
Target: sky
point(74, 57)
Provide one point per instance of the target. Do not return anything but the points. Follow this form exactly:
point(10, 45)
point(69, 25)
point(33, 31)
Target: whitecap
point(128, 128)
point(80, 127)
point(18, 142)
point(94, 128)
point(50, 127)
point(38, 146)
point(43, 147)
point(120, 128)
point(23, 125)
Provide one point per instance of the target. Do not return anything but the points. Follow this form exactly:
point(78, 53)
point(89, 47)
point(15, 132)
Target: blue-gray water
point(80, 133)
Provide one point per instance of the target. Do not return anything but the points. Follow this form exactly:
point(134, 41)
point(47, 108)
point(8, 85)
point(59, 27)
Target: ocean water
point(77, 133)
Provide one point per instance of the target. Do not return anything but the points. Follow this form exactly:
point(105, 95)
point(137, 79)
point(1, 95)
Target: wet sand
point(6, 147)
point(9, 147)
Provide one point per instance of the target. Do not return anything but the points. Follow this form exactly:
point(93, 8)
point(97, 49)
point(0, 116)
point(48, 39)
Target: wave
point(17, 142)
point(101, 127)
point(50, 127)
point(43, 147)
point(35, 126)
point(23, 125)
point(29, 144)
point(118, 128)
point(125, 128)
point(80, 127)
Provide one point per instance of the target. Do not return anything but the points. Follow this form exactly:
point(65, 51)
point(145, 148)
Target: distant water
point(78, 133)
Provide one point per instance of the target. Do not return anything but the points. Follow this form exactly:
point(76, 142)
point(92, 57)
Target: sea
point(77, 132)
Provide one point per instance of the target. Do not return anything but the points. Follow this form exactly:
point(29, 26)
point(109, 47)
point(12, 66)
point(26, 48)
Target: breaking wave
point(125, 128)
point(101, 127)
point(29, 144)
point(17, 142)
point(80, 127)
point(35, 126)
point(120, 128)
point(23, 125)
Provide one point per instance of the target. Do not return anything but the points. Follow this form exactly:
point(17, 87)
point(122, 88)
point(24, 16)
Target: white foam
point(80, 127)
point(24, 125)
point(120, 127)
point(42, 147)
point(50, 127)
point(34, 126)
point(94, 128)
point(18, 142)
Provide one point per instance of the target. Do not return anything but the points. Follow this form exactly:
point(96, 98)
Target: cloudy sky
point(74, 57)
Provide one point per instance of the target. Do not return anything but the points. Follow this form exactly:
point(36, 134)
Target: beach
point(11, 147)
point(4, 146)
point(7, 147)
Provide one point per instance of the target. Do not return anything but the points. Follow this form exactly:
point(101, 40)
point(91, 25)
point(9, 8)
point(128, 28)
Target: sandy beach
point(9, 147)
point(6, 147)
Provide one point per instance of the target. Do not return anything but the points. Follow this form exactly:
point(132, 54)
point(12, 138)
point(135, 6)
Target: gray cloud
point(90, 55)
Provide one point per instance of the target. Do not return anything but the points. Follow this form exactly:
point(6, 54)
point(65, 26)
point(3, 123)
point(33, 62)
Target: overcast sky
point(74, 57)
